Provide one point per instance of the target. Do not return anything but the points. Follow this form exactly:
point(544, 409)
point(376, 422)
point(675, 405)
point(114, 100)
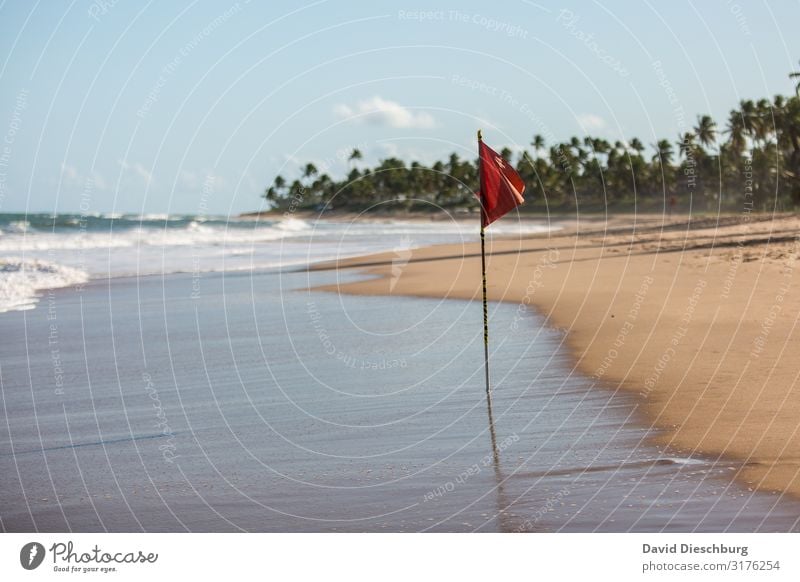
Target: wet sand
point(230, 402)
point(695, 318)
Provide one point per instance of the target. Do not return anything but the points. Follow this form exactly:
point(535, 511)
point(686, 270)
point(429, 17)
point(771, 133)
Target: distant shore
point(593, 216)
point(342, 215)
point(557, 219)
point(697, 317)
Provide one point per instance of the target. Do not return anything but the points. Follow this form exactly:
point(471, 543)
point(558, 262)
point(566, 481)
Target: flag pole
point(483, 275)
point(501, 500)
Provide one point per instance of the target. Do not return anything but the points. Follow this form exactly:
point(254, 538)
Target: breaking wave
point(44, 251)
point(22, 280)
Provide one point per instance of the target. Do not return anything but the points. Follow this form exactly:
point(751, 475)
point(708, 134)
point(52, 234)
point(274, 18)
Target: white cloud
point(99, 181)
point(137, 167)
point(591, 122)
point(69, 172)
point(71, 175)
point(188, 179)
point(388, 149)
point(143, 172)
point(379, 111)
point(219, 181)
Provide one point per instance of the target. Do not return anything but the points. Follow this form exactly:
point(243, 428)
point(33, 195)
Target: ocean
point(155, 396)
point(46, 251)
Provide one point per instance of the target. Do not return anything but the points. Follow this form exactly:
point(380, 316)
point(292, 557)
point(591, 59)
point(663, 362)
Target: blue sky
point(189, 107)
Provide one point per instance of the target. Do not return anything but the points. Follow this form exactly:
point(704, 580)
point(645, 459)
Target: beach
point(515, 269)
point(208, 396)
point(694, 318)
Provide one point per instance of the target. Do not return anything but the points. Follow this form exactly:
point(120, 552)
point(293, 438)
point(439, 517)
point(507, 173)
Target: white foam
point(210, 245)
point(152, 216)
point(22, 279)
point(294, 225)
point(193, 234)
point(19, 226)
point(686, 461)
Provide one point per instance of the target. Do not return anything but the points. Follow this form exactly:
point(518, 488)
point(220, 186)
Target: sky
point(193, 107)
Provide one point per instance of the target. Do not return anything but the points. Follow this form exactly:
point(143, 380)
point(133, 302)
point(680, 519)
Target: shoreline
point(250, 247)
point(694, 318)
point(379, 441)
point(349, 216)
point(423, 217)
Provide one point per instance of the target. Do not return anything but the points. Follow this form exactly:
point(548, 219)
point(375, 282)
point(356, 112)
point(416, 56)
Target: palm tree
point(270, 194)
point(538, 144)
point(589, 169)
point(749, 116)
point(686, 144)
point(664, 152)
point(309, 171)
point(706, 130)
point(764, 127)
point(736, 133)
point(355, 155)
point(453, 164)
point(636, 145)
point(796, 75)
point(600, 146)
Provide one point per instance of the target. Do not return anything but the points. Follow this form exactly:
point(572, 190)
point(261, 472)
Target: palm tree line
point(753, 157)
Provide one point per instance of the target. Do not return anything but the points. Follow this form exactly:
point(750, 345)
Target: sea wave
point(63, 249)
point(21, 280)
point(294, 225)
point(18, 226)
point(192, 233)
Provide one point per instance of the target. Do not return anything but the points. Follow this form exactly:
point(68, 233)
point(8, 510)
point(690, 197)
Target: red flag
point(501, 186)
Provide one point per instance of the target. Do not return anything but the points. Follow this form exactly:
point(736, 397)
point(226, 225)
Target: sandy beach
point(233, 396)
point(245, 402)
point(695, 317)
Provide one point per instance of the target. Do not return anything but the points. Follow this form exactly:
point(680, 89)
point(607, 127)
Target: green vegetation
point(752, 162)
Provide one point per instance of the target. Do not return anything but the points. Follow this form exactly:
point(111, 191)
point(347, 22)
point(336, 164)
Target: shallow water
point(228, 402)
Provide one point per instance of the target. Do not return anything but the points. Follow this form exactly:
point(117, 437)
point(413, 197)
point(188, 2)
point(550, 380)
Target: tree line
point(752, 158)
